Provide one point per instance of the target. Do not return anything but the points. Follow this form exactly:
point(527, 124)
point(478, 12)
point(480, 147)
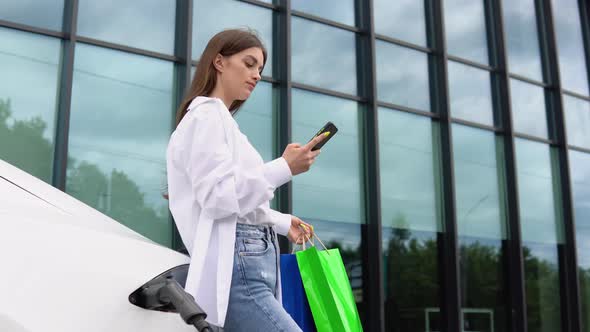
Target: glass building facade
point(457, 189)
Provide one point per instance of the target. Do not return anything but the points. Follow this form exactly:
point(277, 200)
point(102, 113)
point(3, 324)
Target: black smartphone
point(328, 127)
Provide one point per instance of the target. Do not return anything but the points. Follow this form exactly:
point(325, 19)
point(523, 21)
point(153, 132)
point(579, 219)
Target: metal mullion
point(574, 94)
point(372, 251)
point(328, 92)
point(261, 4)
point(30, 28)
point(569, 282)
point(407, 109)
point(128, 49)
point(403, 43)
point(448, 256)
point(282, 71)
point(319, 19)
point(269, 79)
point(579, 149)
point(183, 47)
point(470, 63)
point(536, 139)
point(515, 274)
point(64, 101)
point(528, 80)
point(585, 25)
point(472, 124)
point(182, 78)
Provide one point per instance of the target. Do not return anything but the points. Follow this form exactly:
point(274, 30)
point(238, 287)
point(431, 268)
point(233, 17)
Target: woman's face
point(240, 73)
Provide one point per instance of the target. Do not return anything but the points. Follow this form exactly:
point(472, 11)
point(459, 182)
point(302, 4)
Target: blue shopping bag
point(294, 298)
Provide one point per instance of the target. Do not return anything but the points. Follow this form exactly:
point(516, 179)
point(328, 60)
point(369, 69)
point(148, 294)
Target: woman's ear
point(218, 62)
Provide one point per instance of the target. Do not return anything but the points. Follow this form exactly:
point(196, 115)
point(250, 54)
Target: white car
point(64, 266)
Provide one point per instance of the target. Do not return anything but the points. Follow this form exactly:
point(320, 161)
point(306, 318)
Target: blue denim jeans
point(252, 303)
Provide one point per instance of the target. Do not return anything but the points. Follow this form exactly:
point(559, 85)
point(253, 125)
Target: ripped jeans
point(252, 303)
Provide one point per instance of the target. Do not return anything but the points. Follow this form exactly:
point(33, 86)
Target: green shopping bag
point(328, 290)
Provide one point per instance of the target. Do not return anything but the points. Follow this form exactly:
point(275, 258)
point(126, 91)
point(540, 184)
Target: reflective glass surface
point(330, 195)
point(470, 93)
point(341, 11)
point(411, 219)
point(481, 226)
point(465, 26)
point(146, 24)
point(577, 119)
point(520, 26)
point(46, 14)
point(408, 171)
point(528, 109)
point(401, 20)
point(313, 62)
point(121, 120)
point(570, 46)
point(256, 119)
point(541, 232)
point(213, 16)
point(478, 184)
point(402, 76)
point(580, 177)
point(29, 67)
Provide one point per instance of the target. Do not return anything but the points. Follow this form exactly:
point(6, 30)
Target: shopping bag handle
point(310, 241)
point(302, 243)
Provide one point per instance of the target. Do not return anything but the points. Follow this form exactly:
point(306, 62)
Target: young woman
point(219, 191)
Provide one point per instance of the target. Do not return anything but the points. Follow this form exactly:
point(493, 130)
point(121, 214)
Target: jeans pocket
point(254, 246)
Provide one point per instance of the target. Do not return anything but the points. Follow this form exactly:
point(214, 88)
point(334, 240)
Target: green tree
point(22, 143)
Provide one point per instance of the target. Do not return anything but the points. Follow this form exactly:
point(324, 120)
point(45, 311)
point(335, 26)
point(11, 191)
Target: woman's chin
point(245, 95)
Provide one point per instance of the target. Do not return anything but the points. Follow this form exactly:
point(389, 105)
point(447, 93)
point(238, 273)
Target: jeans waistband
point(249, 230)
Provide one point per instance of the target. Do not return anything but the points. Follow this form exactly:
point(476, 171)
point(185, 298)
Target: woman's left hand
point(300, 231)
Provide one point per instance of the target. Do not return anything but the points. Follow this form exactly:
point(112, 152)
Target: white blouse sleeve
point(221, 187)
point(281, 221)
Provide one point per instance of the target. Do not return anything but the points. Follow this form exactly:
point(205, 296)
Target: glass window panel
point(336, 10)
point(481, 226)
point(479, 201)
point(401, 19)
point(520, 24)
point(541, 224)
point(408, 171)
point(213, 16)
point(411, 219)
point(312, 44)
point(465, 26)
point(46, 14)
point(256, 119)
point(146, 24)
point(470, 93)
point(538, 210)
point(541, 274)
point(577, 119)
point(116, 165)
point(331, 194)
point(528, 109)
point(570, 46)
point(30, 65)
point(402, 76)
point(580, 175)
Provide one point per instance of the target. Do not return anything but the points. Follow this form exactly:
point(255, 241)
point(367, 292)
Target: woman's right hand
point(300, 158)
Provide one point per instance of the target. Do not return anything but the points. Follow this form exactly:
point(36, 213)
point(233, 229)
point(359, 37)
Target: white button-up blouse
point(215, 180)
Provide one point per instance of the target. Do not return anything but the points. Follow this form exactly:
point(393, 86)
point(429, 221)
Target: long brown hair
point(226, 43)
